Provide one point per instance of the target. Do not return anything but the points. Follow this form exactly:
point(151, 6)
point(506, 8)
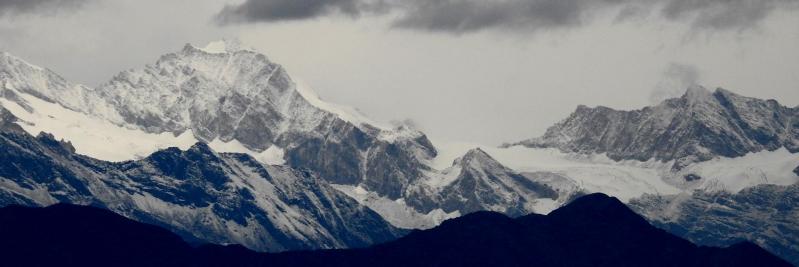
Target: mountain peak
point(7, 59)
point(599, 205)
point(201, 148)
point(477, 155)
point(696, 92)
point(722, 90)
point(226, 45)
point(477, 151)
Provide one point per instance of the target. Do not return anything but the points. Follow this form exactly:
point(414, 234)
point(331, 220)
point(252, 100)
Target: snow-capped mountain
point(474, 182)
point(477, 182)
point(234, 94)
point(203, 195)
point(234, 99)
point(696, 127)
point(765, 214)
point(737, 188)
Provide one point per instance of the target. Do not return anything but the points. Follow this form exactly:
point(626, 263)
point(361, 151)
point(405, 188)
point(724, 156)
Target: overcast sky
point(466, 70)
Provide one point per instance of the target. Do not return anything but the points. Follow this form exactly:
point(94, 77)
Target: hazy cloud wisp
point(676, 79)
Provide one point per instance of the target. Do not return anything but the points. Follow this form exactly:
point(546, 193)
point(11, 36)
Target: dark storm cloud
point(18, 7)
point(461, 16)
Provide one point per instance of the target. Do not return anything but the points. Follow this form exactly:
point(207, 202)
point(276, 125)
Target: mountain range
point(237, 100)
point(219, 144)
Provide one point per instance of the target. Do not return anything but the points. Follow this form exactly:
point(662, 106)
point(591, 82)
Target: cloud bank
point(464, 16)
point(45, 7)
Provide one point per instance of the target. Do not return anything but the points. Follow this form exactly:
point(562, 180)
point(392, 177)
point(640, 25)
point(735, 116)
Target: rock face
point(764, 214)
point(200, 194)
point(695, 127)
point(237, 95)
point(592, 231)
point(478, 182)
point(8, 121)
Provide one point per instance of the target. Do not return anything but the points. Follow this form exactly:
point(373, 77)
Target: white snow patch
point(545, 205)
point(215, 47)
point(100, 139)
point(222, 46)
point(349, 114)
point(439, 179)
point(272, 155)
point(630, 178)
point(735, 174)
point(396, 212)
point(595, 173)
point(92, 136)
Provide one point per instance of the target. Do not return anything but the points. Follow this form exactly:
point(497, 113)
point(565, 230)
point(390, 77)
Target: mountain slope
point(696, 127)
point(203, 195)
point(765, 214)
point(594, 230)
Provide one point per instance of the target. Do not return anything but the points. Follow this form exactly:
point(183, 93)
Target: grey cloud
point(463, 16)
point(17, 7)
point(676, 79)
point(473, 15)
point(723, 14)
point(279, 10)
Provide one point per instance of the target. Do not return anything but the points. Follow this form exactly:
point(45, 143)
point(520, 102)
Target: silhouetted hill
point(594, 230)
point(69, 235)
